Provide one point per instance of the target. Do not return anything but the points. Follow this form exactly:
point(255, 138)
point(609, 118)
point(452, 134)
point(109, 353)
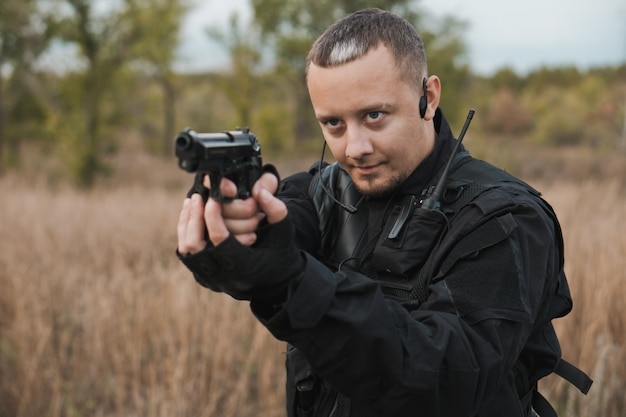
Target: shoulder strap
point(571, 374)
point(342, 232)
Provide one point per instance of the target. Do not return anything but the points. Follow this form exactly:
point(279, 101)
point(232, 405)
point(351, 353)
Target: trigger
point(198, 187)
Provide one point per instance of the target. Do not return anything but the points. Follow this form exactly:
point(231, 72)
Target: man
point(393, 301)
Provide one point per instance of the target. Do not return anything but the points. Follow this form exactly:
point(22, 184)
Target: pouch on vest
point(405, 244)
point(307, 394)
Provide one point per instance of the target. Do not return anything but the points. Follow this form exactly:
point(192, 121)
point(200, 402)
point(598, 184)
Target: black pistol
point(235, 155)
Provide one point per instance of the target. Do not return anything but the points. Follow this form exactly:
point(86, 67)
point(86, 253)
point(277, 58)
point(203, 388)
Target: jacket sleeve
point(293, 191)
point(451, 355)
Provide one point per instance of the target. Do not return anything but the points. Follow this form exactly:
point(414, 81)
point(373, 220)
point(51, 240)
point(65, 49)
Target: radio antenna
point(433, 201)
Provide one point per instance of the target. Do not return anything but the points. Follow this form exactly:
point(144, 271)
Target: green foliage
point(291, 26)
point(271, 127)
point(123, 88)
point(556, 77)
point(446, 53)
point(507, 115)
point(557, 123)
point(15, 22)
point(240, 84)
point(555, 106)
point(139, 32)
point(578, 109)
point(154, 53)
point(507, 78)
point(157, 22)
point(23, 37)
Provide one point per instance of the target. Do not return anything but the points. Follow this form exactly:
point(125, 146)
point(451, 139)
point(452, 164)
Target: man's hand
point(240, 218)
point(243, 257)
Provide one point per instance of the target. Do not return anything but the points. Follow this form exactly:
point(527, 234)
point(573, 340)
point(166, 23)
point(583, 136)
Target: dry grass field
point(98, 318)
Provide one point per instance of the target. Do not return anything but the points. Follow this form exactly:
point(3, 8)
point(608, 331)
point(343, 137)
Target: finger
point(274, 208)
point(263, 191)
point(191, 226)
point(267, 181)
point(218, 232)
point(247, 225)
point(183, 220)
point(228, 188)
point(240, 209)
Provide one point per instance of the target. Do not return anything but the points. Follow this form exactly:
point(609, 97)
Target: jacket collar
point(425, 173)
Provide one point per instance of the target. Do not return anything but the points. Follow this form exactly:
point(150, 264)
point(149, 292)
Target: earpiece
point(423, 100)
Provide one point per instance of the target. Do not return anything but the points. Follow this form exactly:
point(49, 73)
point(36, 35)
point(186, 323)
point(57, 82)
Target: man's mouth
point(365, 170)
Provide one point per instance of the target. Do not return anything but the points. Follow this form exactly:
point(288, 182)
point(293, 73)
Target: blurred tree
point(574, 108)
point(159, 23)
point(507, 78)
point(241, 83)
point(111, 35)
point(559, 117)
point(447, 58)
point(104, 39)
point(291, 27)
point(603, 103)
point(260, 99)
point(613, 100)
point(24, 35)
point(507, 115)
point(553, 77)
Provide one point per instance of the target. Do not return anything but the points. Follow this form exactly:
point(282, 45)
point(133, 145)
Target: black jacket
point(478, 342)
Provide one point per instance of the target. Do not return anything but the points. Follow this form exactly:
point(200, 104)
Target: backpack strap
point(573, 375)
point(541, 406)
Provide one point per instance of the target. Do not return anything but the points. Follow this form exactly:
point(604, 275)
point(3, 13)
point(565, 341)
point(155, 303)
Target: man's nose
point(358, 142)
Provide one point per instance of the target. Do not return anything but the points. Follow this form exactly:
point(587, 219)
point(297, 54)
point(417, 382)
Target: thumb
point(274, 208)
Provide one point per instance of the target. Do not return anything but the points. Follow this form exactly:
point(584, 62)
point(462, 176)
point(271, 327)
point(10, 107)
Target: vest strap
point(574, 376)
point(541, 406)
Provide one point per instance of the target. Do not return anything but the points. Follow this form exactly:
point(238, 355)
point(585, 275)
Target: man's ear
point(432, 95)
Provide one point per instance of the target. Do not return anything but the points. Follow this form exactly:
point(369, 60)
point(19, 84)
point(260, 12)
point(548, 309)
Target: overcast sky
point(523, 35)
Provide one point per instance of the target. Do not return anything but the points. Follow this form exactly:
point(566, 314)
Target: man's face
point(370, 120)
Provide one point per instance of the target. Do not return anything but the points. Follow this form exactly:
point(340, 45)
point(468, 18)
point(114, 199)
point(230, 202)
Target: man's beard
point(386, 189)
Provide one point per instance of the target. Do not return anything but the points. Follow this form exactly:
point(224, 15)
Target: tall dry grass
point(98, 318)
point(593, 336)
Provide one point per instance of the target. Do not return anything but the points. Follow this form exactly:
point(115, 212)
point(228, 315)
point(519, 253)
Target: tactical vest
point(395, 251)
point(402, 250)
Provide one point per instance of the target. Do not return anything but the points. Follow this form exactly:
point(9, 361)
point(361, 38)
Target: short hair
point(354, 35)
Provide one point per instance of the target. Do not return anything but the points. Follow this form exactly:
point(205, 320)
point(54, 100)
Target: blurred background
point(82, 81)
point(97, 316)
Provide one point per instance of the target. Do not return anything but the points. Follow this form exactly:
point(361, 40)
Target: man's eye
point(333, 122)
point(373, 114)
